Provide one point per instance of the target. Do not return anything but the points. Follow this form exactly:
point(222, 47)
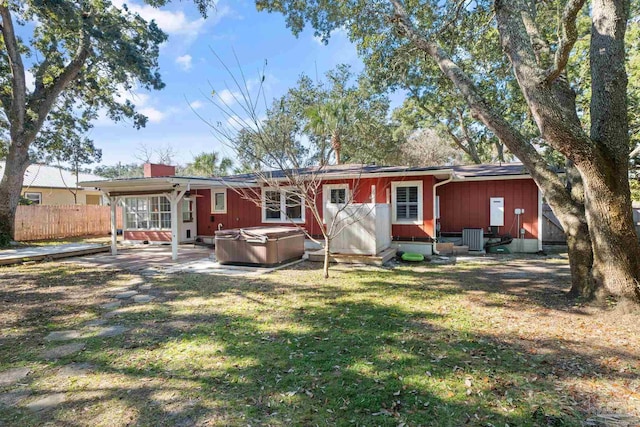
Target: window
point(187, 210)
point(272, 205)
point(219, 201)
point(148, 213)
point(35, 198)
point(334, 194)
point(338, 196)
point(282, 206)
point(293, 207)
point(407, 202)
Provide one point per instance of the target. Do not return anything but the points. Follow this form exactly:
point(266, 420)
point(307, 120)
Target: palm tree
point(210, 164)
point(331, 121)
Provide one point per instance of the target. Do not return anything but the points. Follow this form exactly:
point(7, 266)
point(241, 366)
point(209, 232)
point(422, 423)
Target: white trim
point(539, 219)
point(436, 214)
point(213, 201)
point(491, 178)
point(113, 223)
point(39, 194)
point(326, 196)
point(283, 206)
point(125, 224)
point(394, 186)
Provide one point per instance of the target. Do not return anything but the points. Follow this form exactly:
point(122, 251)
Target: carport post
point(174, 199)
point(114, 225)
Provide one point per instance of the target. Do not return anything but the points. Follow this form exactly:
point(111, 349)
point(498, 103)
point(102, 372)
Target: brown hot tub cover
point(259, 245)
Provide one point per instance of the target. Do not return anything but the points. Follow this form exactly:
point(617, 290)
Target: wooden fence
point(38, 222)
point(552, 231)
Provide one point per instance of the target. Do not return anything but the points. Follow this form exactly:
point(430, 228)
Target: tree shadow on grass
point(282, 351)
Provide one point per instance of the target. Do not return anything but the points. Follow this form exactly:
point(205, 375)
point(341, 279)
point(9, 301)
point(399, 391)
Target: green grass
point(368, 347)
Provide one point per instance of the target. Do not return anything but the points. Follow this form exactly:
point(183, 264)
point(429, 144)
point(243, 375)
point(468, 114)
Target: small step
point(460, 249)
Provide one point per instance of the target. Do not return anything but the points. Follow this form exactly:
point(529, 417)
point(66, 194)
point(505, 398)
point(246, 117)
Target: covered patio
point(151, 196)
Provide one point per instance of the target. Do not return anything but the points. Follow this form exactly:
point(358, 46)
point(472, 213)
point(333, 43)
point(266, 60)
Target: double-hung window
point(137, 213)
point(187, 210)
point(219, 201)
point(282, 205)
point(406, 201)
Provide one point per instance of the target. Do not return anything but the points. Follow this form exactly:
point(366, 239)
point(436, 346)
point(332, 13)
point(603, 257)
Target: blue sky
point(189, 70)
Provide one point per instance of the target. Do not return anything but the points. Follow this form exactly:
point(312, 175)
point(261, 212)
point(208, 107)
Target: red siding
point(466, 205)
point(240, 213)
point(152, 236)
point(244, 213)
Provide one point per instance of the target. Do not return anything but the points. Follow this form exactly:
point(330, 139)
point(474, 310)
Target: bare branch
point(568, 34)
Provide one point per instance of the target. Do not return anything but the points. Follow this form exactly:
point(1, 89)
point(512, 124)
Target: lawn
point(467, 344)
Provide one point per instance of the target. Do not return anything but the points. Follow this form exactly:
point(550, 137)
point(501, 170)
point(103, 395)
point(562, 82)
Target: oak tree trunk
point(11, 186)
point(580, 254)
point(615, 243)
point(605, 172)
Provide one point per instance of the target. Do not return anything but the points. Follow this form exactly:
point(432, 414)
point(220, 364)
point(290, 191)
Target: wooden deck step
point(379, 259)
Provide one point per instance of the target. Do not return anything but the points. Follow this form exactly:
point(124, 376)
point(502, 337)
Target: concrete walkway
point(37, 253)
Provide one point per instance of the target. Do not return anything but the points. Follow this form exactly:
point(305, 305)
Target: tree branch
point(566, 39)
point(548, 181)
point(18, 80)
point(45, 96)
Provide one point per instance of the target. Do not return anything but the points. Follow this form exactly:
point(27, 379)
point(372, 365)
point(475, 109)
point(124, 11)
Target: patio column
point(174, 199)
point(113, 201)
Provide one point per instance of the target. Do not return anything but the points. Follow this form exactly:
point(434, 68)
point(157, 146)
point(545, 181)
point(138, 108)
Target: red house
point(462, 204)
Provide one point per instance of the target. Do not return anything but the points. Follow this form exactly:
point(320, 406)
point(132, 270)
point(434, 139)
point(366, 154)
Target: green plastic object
point(412, 257)
point(498, 250)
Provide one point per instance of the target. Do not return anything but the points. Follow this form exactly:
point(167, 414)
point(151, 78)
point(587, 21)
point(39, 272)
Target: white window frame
point(394, 215)
point(127, 226)
point(326, 196)
point(213, 201)
point(33, 193)
point(191, 204)
point(283, 208)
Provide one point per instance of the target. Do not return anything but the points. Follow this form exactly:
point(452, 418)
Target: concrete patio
point(156, 259)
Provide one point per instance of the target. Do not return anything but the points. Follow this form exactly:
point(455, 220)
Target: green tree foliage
point(207, 164)
point(511, 61)
point(83, 56)
point(129, 170)
point(341, 112)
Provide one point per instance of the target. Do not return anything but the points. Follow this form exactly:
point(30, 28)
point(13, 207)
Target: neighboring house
point(50, 185)
point(427, 203)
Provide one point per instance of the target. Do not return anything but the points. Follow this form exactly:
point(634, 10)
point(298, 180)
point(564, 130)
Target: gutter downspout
point(435, 224)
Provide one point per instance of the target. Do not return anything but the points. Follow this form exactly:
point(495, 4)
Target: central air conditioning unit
point(473, 238)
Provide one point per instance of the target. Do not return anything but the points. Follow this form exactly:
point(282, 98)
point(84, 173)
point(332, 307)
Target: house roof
point(45, 176)
point(344, 170)
point(504, 169)
point(168, 183)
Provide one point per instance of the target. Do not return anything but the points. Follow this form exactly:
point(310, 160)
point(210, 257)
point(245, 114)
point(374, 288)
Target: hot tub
point(264, 246)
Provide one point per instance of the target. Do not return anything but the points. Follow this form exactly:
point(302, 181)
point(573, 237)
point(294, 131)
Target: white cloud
point(143, 103)
point(228, 97)
point(155, 116)
point(138, 99)
point(172, 22)
point(196, 105)
point(184, 62)
point(334, 33)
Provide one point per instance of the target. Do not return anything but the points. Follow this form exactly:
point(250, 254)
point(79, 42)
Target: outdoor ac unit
point(474, 238)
